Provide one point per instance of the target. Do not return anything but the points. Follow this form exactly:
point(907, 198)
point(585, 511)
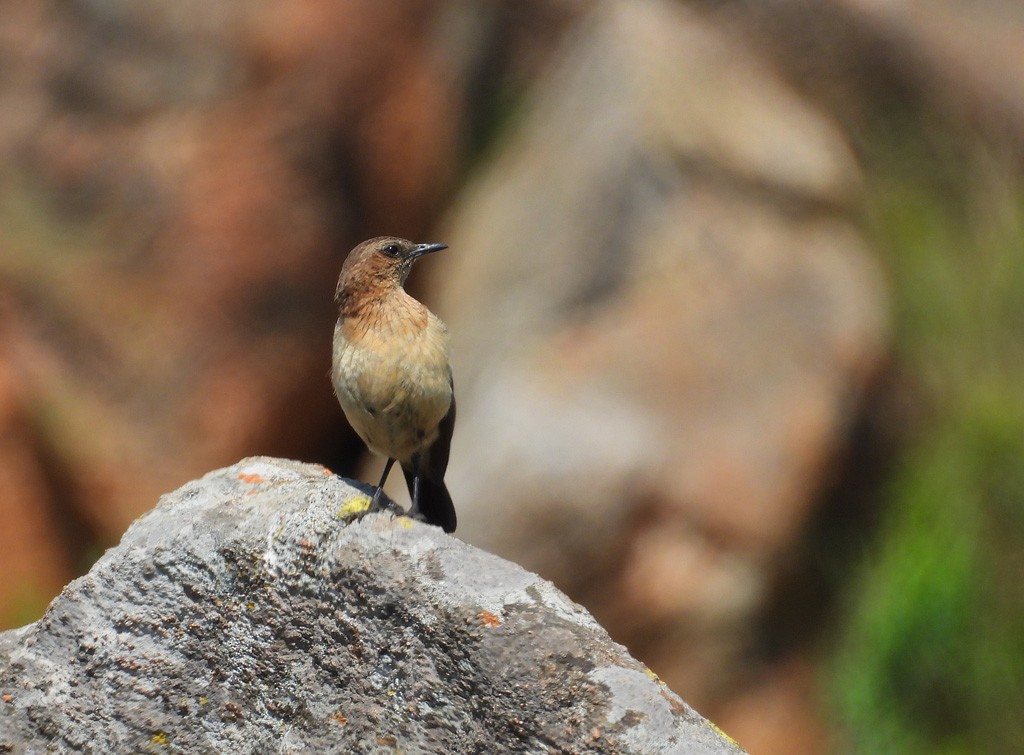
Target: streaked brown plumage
point(391, 372)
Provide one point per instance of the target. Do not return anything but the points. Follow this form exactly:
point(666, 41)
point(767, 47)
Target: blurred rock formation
point(664, 323)
point(958, 63)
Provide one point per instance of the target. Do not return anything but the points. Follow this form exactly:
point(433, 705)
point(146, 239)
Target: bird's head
point(380, 264)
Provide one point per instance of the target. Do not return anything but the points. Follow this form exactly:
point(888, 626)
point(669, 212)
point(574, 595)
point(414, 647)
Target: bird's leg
point(380, 485)
point(414, 509)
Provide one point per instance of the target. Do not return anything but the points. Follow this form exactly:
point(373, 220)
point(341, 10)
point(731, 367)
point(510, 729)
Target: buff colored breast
point(391, 376)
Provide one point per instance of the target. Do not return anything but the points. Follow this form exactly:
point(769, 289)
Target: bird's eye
point(392, 250)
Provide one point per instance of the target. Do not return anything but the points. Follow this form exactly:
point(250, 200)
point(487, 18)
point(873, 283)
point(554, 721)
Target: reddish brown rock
point(780, 713)
point(33, 562)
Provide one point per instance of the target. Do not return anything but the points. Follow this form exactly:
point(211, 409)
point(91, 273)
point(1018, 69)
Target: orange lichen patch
point(677, 707)
point(8, 698)
point(339, 718)
point(489, 619)
point(250, 479)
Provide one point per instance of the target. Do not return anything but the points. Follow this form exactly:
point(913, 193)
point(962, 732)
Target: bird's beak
point(420, 249)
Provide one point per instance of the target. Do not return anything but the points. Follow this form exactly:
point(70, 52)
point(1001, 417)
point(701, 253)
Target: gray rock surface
point(253, 610)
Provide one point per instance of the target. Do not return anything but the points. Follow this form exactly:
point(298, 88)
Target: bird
point(392, 373)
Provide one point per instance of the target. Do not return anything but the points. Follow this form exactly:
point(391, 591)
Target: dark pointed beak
point(420, 249)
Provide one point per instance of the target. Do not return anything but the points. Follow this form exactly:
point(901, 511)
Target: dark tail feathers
point(435, 505)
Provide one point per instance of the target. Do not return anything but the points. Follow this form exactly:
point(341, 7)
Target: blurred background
point(736, 292)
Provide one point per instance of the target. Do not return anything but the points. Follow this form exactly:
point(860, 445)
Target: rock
point(253, 610)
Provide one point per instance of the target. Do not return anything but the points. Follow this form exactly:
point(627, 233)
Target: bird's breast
point(393, 380)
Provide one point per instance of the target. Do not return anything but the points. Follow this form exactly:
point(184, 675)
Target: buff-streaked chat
point(391, 372)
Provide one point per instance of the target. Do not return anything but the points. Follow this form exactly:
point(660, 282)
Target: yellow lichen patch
point(355, 506)
point(202, 700)
point(489, 619)
point(722, 734)
point(653, 676)
point(158, 740)
point(405, 521)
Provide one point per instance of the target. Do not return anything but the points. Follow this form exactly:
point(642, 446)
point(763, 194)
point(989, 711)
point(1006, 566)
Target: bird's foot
point(382, 502)
point(413, 512)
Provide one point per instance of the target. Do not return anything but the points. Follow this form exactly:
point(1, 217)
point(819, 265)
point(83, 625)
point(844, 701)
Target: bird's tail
point(435, 505)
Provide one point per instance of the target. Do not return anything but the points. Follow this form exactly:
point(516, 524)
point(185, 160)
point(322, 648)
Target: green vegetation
point(931, 658)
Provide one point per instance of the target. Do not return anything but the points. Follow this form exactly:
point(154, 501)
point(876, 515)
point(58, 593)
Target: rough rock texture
point(253, 611)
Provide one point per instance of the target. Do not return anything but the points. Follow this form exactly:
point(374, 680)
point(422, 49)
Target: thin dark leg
point(380, 485)
point(414, 510)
